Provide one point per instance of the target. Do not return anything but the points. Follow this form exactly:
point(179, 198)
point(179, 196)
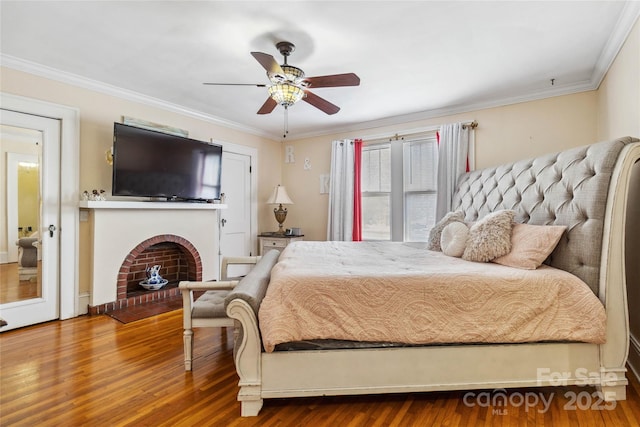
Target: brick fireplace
point(126, 237)
point(179, 260)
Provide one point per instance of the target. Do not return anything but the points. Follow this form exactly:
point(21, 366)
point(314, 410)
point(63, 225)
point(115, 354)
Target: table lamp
point(280, 197)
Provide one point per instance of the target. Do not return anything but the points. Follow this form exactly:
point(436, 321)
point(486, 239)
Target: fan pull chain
point(286, 122)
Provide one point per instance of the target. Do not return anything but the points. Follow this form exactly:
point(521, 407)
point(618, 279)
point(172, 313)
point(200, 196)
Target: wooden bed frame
point(465, 367)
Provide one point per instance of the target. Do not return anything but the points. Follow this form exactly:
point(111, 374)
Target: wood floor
point(96, 371)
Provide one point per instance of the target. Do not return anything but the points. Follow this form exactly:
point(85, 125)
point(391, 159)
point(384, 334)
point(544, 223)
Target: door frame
point(253, 154)
point(69, 190)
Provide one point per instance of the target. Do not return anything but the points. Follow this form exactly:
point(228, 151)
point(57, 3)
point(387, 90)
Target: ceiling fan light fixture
point(292, 74)
point(285, 94)
point(288, 84)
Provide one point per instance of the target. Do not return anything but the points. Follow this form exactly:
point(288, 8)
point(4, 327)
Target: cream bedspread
point(401, 292)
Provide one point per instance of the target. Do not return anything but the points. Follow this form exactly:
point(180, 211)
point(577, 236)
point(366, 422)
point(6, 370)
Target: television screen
point(148, 163)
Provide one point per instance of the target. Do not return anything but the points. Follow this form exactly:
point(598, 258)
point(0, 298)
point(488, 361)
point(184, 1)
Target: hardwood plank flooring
point(96, 371)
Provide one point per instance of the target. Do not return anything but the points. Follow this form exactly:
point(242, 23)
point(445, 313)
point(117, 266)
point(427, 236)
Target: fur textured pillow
point(490, 237)
point(454, 239)
point(531, 245)
point(434, 235)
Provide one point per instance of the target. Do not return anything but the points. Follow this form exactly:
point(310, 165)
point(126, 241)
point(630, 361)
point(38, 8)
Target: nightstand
point(276, 241)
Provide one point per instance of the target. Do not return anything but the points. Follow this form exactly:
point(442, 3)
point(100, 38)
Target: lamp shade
point(279, 196)
point(286, 94)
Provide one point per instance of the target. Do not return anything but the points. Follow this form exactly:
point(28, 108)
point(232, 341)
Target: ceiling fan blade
point(320, 103)
point(334, 80)
point(268, 62)
point(236, 84)
point(268, 106)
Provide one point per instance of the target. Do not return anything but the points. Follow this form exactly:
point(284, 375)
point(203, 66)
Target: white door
point(235, 221)
point(42, 303)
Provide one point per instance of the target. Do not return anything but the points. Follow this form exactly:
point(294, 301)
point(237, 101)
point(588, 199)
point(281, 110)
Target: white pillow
point(453, 239)
point(435, 234)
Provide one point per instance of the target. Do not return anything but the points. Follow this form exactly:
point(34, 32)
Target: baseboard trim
point(4, 257)
point(634, 356)
point(83, 303)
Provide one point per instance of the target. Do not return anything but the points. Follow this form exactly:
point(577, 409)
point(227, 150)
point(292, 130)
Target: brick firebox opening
point(179, 259)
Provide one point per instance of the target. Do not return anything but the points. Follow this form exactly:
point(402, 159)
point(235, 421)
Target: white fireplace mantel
point(119, 226)
point(118, 204)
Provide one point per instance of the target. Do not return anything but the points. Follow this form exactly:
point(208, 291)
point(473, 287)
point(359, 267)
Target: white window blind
point(376, 192)
point(420, 172)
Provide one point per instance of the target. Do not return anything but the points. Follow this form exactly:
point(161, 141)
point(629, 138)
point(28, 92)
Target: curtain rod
point(398, 137)
point(472, 125)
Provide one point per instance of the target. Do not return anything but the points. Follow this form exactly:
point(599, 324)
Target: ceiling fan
point(289, 84)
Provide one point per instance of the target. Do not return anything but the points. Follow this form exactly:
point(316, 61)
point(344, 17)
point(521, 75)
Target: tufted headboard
point(568, 188)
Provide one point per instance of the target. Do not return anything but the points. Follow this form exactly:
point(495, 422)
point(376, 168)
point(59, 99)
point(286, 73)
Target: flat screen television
point(147, 163)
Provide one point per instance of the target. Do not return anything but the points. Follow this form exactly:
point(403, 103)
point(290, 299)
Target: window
point(376, 192)
point(420, 171)
point(399, 189)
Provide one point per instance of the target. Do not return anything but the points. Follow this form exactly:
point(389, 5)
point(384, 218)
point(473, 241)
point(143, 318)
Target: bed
point(584, 190)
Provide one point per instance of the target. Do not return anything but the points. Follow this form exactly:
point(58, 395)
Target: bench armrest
point(238, 260)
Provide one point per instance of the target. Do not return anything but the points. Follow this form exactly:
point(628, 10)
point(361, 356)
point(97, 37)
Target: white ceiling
point(415, 59)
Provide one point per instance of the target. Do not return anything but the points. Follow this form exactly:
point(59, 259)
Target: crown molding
point(584, 86)
point(628, 17)
point(129, 95)
point(626, 21)
point(94, 85)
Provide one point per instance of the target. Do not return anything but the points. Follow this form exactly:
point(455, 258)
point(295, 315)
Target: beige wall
point(619, 115)
point(504, 134)
point(619, 93)
point(99, 111)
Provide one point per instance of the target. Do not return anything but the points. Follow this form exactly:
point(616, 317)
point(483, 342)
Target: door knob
point(224, 221)
point(52, 228)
